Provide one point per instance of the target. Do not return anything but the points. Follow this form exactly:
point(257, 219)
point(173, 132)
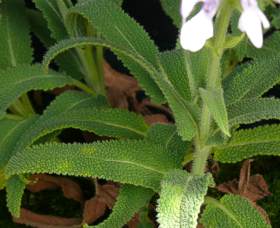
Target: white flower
point(196, 31)
point(187, 7)
point(252, 22)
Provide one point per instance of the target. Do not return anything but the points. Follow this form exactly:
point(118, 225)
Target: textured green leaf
point(232, 211)
point(244, 144)
point(172, 9)
point(71, 110)
point(269, 49)
point(51, 11)
point(252, 80)
point(130, 200)
point(173, 63)
point(125, 33)
point(180, 200)
point(15, 82)
point(15, 42)
point(2, 179)
point(39, 26)
point(11, 131)
point(252, 110)
point(214, 99)
point(134, 162)
point(185, 113)
point(54, 17)
point(15, 189)
point(167, 136)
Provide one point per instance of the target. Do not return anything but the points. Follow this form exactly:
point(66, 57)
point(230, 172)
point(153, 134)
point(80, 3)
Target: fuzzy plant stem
point(213, 82)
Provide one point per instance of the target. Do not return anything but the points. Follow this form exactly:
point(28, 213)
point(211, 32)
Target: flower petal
point(196, 32)
point(251, 24)
point(264, 20)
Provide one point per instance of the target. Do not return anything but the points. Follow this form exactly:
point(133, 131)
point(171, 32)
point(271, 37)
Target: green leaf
point(39, 27)
point(252, 110)
point(15, 82)
point(185, 113)
point(15, 42)
point(54, 17)
point(130, 200)
point(252, 80)
point(167, 136)
point(172, 9)
point(52, 12)
point(181, 197)
point(269, 49)
point(134, 162)
point(2, 179)
point(245, 144)
point(214, 99)
point(232, 211)
point(125, 33)
point(15, 189)
point(70, 110)
point(11, 131)
point(173, 63)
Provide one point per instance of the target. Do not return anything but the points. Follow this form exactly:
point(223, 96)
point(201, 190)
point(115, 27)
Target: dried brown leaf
point(70, 189)
point(156, 118)
point(94, 208)
point(30, 218)
point(105, 198)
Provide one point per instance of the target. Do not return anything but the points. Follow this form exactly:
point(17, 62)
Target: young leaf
point(245, 144)
point(252, 80)
point(134, 162)
point(11, 131)
point(180, 200)
point(252, 110)
point(15, 82)
point(214, 99)
point(125, 33)
point(130, 200)
point(15, 189)
point(172, 9)
point(15, 42)
point(232, 211)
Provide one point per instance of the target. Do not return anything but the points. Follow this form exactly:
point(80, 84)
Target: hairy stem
point(213, 81)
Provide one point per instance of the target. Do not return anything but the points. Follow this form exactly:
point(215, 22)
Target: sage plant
point(205, 81)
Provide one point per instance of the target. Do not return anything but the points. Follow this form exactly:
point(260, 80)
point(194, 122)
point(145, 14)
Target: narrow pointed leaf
point(216, 105)
point(120, 161)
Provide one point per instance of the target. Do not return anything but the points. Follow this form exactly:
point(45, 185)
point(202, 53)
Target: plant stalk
point(213, 81)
